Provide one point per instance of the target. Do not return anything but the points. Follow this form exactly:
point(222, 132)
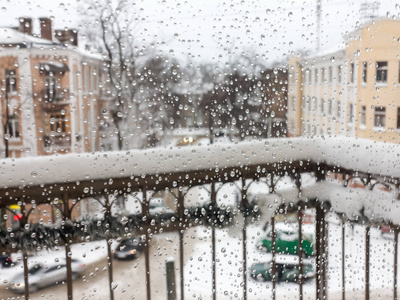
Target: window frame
point(381, 72)
point(379, 117)
point(364, 72)
point(351, 73)
point(59, 122)
point(363, 116)
point(10, 76)
point(350, 117)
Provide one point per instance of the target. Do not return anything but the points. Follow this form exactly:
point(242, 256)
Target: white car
point(45, 274)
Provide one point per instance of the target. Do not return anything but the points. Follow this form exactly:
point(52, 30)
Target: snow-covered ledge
point(355, 154)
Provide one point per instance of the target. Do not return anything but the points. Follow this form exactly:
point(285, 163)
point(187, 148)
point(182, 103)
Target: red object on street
point(17, 217)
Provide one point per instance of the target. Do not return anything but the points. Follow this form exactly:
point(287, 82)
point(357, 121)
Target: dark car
point(6, 261)
point(129, 248)
point(286, 272)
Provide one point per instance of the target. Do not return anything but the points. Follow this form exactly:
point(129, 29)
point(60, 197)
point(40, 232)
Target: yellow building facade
point(352, 89)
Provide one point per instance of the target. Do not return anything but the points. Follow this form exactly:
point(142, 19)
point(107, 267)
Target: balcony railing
point(57, 141)
point(54, 99)
point(66, 180)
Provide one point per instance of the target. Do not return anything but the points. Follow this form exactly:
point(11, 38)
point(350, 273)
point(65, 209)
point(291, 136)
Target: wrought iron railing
point(179, 184)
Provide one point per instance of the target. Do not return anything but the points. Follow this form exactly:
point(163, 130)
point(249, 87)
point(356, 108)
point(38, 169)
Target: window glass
point(363, 115)
point(11, 81)
point(351, 73)
point(213, 149)
point(339, 74)
point(350, 113)
point(381, 71)
point(364, 72)
point(398, 117)
point(380, 116)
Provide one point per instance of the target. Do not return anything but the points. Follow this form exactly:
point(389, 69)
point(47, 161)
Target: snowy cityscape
point(199, 150)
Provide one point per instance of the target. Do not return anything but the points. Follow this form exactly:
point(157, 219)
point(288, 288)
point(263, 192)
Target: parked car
point(6, 261)
point(46, 274)
point(285, 272)
point(159, 211)
point(286, 241)
point(129, 248)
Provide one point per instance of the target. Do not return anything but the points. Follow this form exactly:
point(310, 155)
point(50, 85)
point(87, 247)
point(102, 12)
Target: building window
point(352, 72)
point(339, 72)
point(309, 76)
point(322, 105)
point(330, 107)
point(381, 71)
point(338, 110)
point(398, 118)
point(315, 101)
point(316, 76)
point(330, 75)
point(364, 72)
point(380, 116)
point(11, 81)
point(398, 78)
point(362, 115)
point(51, 87)
point(323, 75)
point(13, 126)
point(58, 123)
point(350, 115)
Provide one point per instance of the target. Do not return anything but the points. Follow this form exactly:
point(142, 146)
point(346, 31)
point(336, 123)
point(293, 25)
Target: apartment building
point(49, 91)
point(52, 100)
point(352, 89)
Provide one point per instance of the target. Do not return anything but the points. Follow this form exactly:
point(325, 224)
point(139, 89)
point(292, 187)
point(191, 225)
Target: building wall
point(332, 106)
point(378, 43)
point(29, 103)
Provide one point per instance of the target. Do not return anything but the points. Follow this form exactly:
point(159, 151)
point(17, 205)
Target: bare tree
point(157, 78)
point(110, 27)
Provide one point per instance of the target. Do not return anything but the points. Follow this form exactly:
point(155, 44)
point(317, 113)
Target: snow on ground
point(229, 264)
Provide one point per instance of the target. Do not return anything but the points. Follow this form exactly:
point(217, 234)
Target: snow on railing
point(353, 154)
point(355, 203)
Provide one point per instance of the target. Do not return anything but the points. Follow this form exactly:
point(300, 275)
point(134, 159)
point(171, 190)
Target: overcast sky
point(210, 30)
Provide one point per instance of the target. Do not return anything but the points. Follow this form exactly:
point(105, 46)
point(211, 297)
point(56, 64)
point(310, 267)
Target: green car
point(285, 272)
point(286, 241)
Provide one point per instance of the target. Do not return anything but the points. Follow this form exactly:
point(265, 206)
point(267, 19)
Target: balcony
point(59, 141)
point(53, 100)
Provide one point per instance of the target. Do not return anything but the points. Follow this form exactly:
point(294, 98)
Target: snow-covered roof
point(335, 50)
point(356, 154)
point(12, 36)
